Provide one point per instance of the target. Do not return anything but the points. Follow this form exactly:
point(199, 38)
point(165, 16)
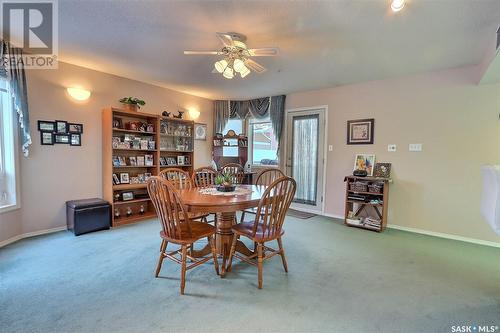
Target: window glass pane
point(235, 125)
point(264, 144)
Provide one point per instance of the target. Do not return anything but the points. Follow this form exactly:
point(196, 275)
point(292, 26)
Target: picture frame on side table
point(382, 170)
point(360, 132)
point(364, 162)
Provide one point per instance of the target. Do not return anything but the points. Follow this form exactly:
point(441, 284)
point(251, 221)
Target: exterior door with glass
point(305, 157)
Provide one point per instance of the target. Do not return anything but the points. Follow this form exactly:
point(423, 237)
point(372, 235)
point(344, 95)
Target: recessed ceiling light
point(397, 5)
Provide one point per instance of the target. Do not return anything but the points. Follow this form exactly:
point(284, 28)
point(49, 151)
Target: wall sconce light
point(79, 94)
point(194, 114)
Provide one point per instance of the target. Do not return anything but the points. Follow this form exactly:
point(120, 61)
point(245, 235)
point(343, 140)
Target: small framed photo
point(61, 138)
point(200, 131)
point(382, 170)
point(150, 128)
point(141, 177)
point(116, 161)
point(46, 126)
point(76, 140)
point(180, 160)
point(116, 181)
point(132, 160)
point(127, 196)
point(75, 128)
point(140, 160)
point(151, 145)
point(144, 144)
point(117, 123)
point(360, 132)
point(123, 161)
point(61, 126)
point(124, 178)
point(364, 162)
point(46, 138)
point(148, 159)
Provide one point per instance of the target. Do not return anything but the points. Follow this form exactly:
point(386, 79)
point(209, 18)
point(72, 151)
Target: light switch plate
point(415, 147)
point(330, 148)
point(391, 147)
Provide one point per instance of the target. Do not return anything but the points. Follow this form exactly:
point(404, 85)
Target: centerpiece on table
point(132, 103)
point(224, 183)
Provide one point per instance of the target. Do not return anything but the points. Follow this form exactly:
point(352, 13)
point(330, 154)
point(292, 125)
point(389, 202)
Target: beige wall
point(457, 122)
point(54, 174)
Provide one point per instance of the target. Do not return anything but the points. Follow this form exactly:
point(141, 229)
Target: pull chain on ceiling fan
point(236, 56)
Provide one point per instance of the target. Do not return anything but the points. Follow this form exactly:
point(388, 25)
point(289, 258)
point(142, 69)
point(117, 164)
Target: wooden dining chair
point(267, 226)
point(266, 177)
point(181, 180)
point(204, 177)
point(178, 228)
point(236, 171)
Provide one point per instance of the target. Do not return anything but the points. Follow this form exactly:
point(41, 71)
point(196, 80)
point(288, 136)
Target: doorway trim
point(325, 149)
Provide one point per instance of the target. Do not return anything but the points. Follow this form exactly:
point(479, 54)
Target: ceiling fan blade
point(202, 52)
point(214, 71)
point(225, 39)
point(264, 52)
point(256, 67)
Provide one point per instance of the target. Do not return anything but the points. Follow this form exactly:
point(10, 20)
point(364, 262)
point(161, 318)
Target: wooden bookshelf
point(180, 143)
point(374, 205)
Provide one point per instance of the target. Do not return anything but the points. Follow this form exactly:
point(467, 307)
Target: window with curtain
point(8, 186)
point(262, 143)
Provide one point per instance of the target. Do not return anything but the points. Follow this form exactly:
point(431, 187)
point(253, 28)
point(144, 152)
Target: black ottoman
point(87, 215)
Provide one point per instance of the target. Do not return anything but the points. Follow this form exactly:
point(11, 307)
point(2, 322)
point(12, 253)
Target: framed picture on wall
point(46, 126)
point(200, 131)
point(76, 140)
point(360, 132)
point(61, 126)
point(75, 128)
point(46, 138)
point(364, 162)
point(61, 138)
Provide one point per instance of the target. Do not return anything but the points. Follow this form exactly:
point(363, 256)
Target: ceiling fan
point(236, 56)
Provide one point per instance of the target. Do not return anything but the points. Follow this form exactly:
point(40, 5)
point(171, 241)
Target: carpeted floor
point(340, 280)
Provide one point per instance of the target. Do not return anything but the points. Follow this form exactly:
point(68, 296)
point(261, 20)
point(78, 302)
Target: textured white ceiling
point(322, 43)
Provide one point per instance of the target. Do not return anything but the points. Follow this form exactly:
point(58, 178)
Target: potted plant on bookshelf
point(132, 103)
point(224, 183)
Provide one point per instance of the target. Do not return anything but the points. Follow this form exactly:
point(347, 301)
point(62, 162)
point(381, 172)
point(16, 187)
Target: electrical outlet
point(330, 148)
point(415, 147)
point(391, 147)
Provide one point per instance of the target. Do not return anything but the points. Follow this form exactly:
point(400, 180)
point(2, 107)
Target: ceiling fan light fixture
point(397, 5)
point(221, 65)
point(244, 72)
point(228, 73)
point(238, 65)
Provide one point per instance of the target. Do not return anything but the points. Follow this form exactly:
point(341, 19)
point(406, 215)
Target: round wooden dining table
point(224, 206)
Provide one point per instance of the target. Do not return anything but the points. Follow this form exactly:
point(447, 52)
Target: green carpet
point(340, 280)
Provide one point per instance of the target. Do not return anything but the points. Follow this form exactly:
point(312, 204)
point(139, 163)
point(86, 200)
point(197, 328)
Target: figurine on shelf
point(141, 210)
point(117, 213)
point(179, 114)
point(165, 114)
point(117, 196)
point(129, 211)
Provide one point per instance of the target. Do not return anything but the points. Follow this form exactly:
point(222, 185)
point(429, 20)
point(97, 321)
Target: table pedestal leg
point(224, 238)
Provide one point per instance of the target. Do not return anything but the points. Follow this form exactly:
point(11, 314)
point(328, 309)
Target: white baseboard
point(430, 233)
point(443, 235)
point(30, 234)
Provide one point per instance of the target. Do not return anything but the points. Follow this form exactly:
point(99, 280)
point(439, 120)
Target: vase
point(130, 107)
